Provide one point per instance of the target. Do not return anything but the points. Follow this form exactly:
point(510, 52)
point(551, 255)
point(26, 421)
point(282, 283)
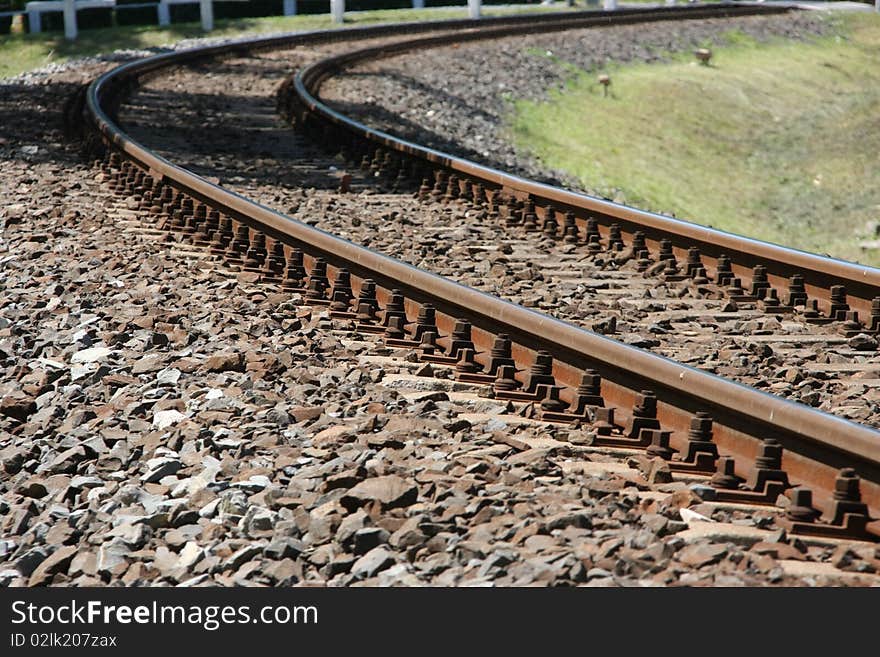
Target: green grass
point(777, 141)
point(24, 52)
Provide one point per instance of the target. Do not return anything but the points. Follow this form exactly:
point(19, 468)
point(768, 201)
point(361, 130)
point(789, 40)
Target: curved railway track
point(741, 445)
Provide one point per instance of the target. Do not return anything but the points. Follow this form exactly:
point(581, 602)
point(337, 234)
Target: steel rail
point(816, 444)
point(820, 273)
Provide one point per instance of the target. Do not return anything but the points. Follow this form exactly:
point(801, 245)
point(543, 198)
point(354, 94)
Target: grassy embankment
point(778, 141)
point(24, 52)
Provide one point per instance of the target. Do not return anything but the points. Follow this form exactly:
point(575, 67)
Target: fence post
point(337, 10)
point(206, 9)
point(474, 8)
point(34, 21)
point(163, 13)
point(69, 20)
point(290, 7)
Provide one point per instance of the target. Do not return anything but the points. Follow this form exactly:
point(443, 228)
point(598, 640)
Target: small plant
point(605, 80)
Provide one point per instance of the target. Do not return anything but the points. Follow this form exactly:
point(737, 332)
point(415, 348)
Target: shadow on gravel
point(231, 138)
point(31, 123)
point(403, 128)
point(379, 117)
point(441, 94)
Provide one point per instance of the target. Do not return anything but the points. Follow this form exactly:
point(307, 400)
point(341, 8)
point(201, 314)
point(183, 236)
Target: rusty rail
point(842, 290)
point(633, 398)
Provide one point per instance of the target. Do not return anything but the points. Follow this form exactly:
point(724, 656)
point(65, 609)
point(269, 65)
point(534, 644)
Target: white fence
point(36, 9)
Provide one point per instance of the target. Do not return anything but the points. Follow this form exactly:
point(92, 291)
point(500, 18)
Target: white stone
point(190, 555)
point(169, 376)
point(692, 516)
point(80, 335)
point(210, 508)
point(164, 419)
point(111, 554)
point(79, 371)
point(91, 355)
point(51, 363)
point(159, 468)
point(82, 481)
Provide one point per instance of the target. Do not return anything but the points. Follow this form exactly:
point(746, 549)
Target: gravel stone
point(390, 491)
point(701, 555)
point(373, 562)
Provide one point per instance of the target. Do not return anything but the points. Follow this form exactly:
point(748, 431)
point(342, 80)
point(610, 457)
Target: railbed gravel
point(166, 420)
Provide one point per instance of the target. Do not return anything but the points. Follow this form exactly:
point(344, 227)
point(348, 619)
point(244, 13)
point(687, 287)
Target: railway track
point(815, 364)
point(737, 444)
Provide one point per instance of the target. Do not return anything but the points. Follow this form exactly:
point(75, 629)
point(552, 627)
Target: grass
point(777, 141)
point(25, 52)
